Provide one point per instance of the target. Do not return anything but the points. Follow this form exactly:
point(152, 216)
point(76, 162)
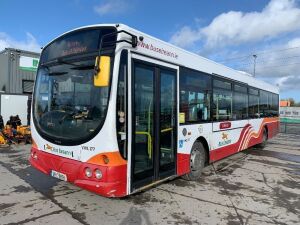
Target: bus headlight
point(98, 174)
point(88, 172)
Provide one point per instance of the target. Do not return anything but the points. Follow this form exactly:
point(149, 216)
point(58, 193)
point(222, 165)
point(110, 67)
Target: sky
point(228, 31)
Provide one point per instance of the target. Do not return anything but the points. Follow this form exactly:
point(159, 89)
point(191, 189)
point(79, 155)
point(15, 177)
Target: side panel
point(251, 134)
point(232, 136)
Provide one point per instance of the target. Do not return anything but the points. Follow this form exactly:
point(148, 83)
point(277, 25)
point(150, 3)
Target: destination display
point(78, 42)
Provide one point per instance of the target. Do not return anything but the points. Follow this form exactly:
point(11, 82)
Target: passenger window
point(275, 105)
point(264, 104)
point(195, 95)
point(222, 100)
point(253, 103)
point(240, 100)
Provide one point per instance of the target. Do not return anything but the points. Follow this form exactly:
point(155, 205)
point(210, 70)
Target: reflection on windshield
point(67, 105)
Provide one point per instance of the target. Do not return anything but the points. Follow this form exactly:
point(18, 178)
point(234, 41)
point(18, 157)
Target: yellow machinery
point(3, 140)
point(10, 135)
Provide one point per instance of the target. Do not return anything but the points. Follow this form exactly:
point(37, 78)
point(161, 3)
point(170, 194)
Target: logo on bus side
point(225, 139)
point(50, 148)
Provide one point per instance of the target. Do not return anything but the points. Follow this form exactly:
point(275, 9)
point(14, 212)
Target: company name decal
point(225, 140)
point(161, 51)
point(58, 150)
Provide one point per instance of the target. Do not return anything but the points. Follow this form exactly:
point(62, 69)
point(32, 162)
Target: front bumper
point(112, 183)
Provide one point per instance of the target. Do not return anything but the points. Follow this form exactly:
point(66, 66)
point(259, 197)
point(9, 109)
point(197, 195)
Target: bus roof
point(165, 51)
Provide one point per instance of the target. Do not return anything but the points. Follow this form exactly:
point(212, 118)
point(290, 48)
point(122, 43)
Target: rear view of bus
point(72, 127)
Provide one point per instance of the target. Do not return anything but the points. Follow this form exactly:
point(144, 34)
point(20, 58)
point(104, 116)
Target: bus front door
point(154, 123)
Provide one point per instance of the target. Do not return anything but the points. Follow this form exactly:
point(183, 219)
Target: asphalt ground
point(252, 187)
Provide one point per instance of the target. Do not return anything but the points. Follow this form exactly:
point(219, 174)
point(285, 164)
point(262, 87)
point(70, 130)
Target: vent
point(27, 86)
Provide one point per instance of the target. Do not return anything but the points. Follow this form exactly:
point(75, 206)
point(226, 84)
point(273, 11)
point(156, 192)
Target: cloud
point(29, 44)
point(281, 65)
point(111, 7)
point(186, 37)
point(234, 27)
point(233, 37)
point(275, 63)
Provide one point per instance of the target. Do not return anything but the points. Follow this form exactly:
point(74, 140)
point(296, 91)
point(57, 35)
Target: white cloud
point(276, 63)
point(234, 34)
point(111, 7)
point(186, 37)
point(232, 28)
point(29, 44)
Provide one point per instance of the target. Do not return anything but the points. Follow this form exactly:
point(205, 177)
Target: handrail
point(149, 138)
point(149, 141)
point(166, 130)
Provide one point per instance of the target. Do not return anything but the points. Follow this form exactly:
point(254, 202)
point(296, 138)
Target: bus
point(116, 111)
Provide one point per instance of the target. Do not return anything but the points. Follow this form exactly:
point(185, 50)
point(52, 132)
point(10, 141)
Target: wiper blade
point(83, 67)
point(57, 73)
point(57, 61)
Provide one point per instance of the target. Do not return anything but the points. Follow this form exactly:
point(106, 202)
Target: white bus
point(116, 111)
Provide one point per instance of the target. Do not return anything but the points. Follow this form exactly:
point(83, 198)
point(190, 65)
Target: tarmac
point(252, 187)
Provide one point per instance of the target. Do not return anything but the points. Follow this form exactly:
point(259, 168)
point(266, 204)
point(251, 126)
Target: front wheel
point(197, 162)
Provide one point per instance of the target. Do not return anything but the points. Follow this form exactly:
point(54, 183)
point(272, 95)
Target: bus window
point(222, 100)
point(275, 105)
point(121, 104)
point(263, 103)
point(240, 102)
point(253, 103)
point(195, 94)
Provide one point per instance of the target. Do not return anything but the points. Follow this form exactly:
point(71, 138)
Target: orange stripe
point(244, 137)
point(257, 134)
point(114, 159)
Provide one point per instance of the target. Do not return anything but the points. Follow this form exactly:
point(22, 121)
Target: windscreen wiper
point(57, 61)
point(57, 73)
point(83, 67)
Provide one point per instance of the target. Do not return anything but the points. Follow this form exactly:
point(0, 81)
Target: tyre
point(197, 162)
point(264, 139)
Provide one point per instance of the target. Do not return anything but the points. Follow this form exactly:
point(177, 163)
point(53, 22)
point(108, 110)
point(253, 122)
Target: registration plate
point(59, 175)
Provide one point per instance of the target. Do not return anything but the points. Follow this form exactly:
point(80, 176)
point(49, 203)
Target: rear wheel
point(197, 162)
point(264, 139)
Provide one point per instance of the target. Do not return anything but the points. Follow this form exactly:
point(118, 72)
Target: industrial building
point(17, 71)
point(17, 74)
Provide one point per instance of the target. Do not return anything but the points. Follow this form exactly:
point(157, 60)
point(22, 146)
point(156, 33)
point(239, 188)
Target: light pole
point(254, 64)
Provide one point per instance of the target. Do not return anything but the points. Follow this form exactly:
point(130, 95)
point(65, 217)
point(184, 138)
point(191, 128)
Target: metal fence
point(290, 128)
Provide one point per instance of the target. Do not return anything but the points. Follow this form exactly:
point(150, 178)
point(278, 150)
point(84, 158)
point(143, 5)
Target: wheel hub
point(195, 160)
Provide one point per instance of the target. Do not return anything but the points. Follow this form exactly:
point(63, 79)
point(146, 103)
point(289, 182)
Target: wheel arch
point(267, 129)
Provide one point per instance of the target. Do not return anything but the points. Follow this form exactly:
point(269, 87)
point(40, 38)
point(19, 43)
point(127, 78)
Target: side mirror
point(102, 75)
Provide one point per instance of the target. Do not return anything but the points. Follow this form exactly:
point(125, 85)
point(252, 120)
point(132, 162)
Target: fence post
point(285, 128)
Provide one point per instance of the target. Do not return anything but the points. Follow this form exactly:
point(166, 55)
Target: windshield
point(67, 106)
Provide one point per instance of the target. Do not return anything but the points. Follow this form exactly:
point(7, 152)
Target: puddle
point(278, 155)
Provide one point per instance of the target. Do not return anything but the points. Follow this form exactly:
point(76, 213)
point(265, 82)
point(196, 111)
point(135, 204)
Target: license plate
point(59, 175)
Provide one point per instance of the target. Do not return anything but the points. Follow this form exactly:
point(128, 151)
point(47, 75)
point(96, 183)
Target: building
point(290, 114)
point(17, 74)
point(285, 103)
point(17, 70)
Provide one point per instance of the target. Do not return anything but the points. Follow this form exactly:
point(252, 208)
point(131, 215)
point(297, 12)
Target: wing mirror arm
point(102, 63)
